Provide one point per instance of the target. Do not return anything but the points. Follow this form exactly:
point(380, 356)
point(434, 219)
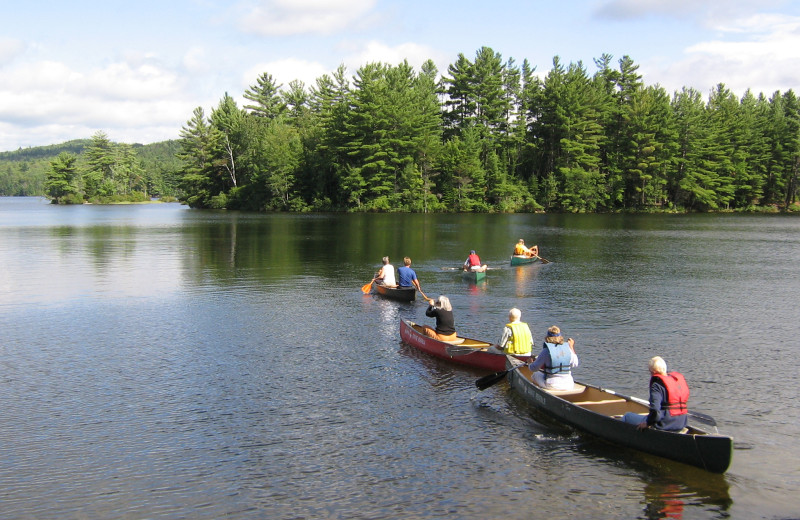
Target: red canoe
point(412, 334)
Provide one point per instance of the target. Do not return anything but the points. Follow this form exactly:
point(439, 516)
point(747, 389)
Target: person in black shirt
point(445, 323)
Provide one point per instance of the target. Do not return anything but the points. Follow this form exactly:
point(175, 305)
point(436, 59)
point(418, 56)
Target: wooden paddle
point(367, 287)
point(492, 379)
point(423, 295)
point(701, 417)
point(461, 350)
point(543, 260)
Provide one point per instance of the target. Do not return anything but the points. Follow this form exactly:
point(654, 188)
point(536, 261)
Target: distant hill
point(23, 172)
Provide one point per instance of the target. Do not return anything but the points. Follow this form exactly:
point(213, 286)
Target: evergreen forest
point(491, 136)
point(92, 170)
point(487, 135)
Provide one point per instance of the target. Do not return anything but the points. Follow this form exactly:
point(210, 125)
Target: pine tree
point(266, 98)
point(100, 159)
point(61, 182)
point(198, 180)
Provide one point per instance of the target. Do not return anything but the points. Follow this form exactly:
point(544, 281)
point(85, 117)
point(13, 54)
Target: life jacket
point(519, 249)
point(521, 340)
point(560, 356)
point(474, 259)
point(677, 392)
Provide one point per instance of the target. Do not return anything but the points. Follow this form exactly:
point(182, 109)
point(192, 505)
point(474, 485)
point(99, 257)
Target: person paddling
point(442, 310)
point(385, 275)
point(517, 339)
point(406, 277)
point(473, 263)
point(669, 400)
point(553, 366)
point(521, 250)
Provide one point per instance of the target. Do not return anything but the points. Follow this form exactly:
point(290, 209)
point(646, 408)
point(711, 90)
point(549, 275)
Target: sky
point(137, 70)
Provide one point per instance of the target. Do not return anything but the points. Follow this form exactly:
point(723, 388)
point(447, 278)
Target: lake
point(161, 362)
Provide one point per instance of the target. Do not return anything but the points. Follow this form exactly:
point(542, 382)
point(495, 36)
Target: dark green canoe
point(521, 260)
point(473, 276)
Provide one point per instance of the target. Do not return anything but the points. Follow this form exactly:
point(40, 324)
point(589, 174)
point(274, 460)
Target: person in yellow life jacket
point(669, 400)
point(517, 339)
point(521, 250)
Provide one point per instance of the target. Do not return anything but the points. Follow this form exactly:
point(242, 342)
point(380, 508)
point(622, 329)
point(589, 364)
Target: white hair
point(658, 365)
point(443, 302)
point(514, 314)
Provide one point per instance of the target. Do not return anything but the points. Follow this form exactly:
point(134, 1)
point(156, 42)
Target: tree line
point(489, 135)
point(99, 170)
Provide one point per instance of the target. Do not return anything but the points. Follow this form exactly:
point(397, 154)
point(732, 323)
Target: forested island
point(487, 136)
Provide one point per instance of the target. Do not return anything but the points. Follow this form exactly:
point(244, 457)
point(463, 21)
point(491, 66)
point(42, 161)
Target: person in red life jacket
point(669, 400)
point(473, 263)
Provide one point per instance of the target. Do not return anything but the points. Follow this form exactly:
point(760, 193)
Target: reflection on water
point(668, 496)
point(525, 279)
point(159, 362)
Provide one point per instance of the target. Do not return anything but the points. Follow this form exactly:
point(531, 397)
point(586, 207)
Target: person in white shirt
point(385, 275)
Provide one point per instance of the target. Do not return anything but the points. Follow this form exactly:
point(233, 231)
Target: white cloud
point(10, 49)
point(50, 100)
point(704, 11)
point(195, 60)
point(763, 58)
point(375, 51)
point(284, 71)
point(290, 17)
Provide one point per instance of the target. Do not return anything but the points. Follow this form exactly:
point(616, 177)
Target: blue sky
point(136, 70)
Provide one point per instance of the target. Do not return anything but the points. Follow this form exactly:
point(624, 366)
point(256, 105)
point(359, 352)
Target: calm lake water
point(162, 362)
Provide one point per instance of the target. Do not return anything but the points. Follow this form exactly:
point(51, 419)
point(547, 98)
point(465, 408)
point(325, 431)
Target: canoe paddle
point(423, 295)
point(701, 417)
point(492, 379)
point(367, 287)
point(461, 350)
point(543, 260)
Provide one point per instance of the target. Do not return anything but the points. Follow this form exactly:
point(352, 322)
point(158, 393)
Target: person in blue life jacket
point(517, 339)
point(552, 368)
point(669, 400)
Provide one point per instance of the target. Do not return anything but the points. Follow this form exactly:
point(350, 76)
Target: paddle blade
point(703, 418)
point(367, 288)
point(543, 260)
point(455, 350)
point(490, 380)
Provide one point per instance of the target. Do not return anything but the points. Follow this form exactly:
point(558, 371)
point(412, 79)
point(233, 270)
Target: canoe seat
point(577, 389)
point(605, 401)
point(457, 341)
